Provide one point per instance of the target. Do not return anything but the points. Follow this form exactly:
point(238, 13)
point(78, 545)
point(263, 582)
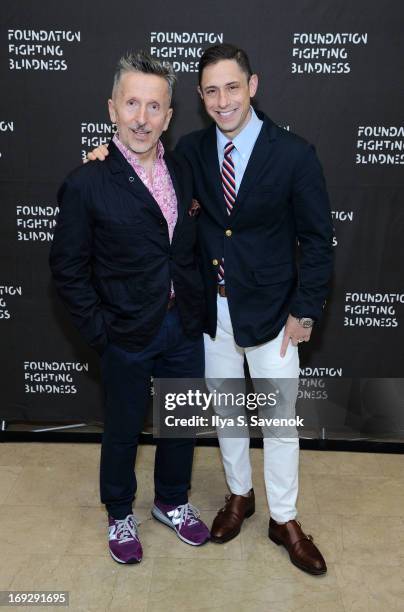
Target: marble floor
point(53, 536)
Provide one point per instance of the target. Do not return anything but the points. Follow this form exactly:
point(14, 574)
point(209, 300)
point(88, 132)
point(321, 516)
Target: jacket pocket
point(271, 275)
point(269, 188)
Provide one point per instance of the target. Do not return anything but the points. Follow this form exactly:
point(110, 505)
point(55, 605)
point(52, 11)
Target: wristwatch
point(306, 322)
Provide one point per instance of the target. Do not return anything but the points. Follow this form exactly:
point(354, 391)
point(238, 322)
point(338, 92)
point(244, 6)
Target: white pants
point(225, 359)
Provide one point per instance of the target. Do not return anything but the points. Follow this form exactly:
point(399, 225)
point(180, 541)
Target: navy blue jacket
point(278, 253)
point(111, 258)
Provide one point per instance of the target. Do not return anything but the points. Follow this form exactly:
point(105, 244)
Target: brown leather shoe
point(228, 521)
point(302, 551)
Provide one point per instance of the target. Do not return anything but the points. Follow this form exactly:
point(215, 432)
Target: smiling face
point(140, 107)
point(226, 91)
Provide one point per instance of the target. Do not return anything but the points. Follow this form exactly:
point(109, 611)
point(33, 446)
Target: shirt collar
point(244, 141)
point(129, 155)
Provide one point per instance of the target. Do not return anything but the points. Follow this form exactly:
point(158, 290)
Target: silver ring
point(300, 340)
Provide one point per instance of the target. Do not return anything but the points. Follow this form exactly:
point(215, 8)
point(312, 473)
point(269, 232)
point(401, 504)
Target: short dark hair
point(225, 51)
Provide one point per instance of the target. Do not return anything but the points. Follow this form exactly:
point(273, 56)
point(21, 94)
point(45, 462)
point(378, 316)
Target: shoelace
point(126, 529)
point(187, 512)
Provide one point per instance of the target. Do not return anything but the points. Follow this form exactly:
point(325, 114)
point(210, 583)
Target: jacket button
point(131, 179)
point(215, 262)
point(228, 233)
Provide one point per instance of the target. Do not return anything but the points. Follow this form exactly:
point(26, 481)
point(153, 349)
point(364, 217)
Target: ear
point(199, 90)
point(111, 108)
point(253, 85)
point(168, 119)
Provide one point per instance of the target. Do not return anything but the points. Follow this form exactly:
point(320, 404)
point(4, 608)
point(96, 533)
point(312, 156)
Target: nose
point(141, 114)
point(223, 100)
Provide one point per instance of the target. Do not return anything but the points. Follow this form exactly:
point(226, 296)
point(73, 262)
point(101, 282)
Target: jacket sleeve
point(314, 229)
point(70, 262)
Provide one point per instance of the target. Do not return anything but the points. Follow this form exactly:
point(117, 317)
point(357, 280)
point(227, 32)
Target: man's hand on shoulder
point(294, 332)
point(99, 153)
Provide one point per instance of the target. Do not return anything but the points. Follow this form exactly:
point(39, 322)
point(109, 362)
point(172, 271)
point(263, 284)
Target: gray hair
point(140, 61)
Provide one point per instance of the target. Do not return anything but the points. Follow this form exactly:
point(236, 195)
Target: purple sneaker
point(124, 544)
point(185, 521)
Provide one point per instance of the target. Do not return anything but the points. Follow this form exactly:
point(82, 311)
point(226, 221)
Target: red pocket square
point(195, 208)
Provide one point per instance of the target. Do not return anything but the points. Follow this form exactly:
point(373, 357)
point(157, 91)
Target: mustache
point(141, 127)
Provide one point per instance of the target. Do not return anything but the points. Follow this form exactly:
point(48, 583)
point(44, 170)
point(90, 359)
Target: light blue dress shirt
point(244, 143)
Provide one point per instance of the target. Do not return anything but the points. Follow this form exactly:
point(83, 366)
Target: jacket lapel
point(181, 204)
point(125, 176)
point(260, 159)
point(213, 173)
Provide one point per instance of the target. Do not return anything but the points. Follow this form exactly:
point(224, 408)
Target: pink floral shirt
point(160, 186)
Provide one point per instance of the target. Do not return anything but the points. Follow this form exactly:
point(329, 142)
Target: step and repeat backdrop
point(330, 71)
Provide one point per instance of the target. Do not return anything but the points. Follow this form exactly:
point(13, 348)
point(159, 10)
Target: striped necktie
point(229, 191)
point(228, 177)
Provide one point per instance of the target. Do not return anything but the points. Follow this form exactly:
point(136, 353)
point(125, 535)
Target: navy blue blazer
point(111, 258)
point(276, 243)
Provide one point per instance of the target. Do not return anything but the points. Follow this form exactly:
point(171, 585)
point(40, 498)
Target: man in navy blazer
point(265, 239)
point(265, 249)
point(123, 260)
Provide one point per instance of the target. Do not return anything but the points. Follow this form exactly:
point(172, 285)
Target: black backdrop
point(330, 71)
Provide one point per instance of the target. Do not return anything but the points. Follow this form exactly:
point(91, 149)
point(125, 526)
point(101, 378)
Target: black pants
point(126, 377)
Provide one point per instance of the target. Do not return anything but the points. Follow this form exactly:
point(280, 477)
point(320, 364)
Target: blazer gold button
point(228, 233)
point(215, 262)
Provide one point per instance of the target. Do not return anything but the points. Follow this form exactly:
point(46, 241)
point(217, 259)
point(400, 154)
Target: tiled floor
point(53, 536)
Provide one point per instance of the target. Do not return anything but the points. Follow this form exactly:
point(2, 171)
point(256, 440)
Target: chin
point(141, 145)
point(228, 128)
